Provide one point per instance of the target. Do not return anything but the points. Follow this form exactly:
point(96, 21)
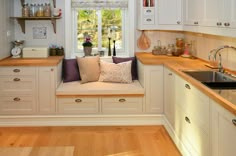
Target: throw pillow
point(89, 68)
point(133, 66)
point(70, 70)
point(111, 72)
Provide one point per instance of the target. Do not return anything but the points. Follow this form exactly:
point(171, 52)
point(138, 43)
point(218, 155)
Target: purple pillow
point(70, 70)
point(133, 65)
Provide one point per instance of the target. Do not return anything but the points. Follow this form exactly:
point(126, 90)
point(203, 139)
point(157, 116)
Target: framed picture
point(39, 32)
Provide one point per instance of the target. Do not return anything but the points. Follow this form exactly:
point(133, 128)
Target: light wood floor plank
point(94, 141)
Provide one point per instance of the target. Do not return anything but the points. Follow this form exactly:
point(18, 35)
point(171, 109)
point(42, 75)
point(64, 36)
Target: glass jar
point(40, 10)
point(47, 10)
point(33, 10)
point(25, 10)
point(179, 42)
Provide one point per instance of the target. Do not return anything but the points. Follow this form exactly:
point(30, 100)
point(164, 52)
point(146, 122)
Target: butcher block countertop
point(49, 61)
point(177, 64)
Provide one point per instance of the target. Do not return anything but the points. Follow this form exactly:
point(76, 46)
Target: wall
point(6, 28)
point(51, 38)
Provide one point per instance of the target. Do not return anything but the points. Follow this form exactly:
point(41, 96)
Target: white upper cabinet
point(160, 15)
point(193, 12)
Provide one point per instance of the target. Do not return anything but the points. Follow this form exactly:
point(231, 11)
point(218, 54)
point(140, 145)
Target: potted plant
point(87, 46)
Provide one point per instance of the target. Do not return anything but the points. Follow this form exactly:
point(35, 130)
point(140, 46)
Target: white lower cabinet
point(78, 105)
point(122, 105)
point(151, 78)
point(223, 131)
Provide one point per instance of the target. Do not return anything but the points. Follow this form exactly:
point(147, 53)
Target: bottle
point(40, 10)
point(32, 10)
point(25, 10)
point(47, 10)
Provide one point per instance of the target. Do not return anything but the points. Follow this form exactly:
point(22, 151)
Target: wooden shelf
point(21, 21)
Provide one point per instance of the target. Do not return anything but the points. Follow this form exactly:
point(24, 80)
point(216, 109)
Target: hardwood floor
point(94, 141)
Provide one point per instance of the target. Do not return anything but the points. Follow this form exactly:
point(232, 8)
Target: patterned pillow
point(111, 72)
point(89, 68)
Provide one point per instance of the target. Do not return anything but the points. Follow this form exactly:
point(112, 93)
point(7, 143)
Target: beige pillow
point(89, 68)
point(111, 72)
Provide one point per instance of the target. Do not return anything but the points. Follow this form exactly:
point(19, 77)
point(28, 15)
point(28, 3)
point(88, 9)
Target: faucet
point(210, 54)
point(221, 69)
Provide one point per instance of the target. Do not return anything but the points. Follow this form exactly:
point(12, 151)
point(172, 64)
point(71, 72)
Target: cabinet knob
point(16, 70)
point(122, 100)
point(16, 79)
point(196, 23)
point(78, 100)
point(218, 23)
point(52, 69)
point(187, 86)
point(16, 99)
point(227, 24)
point(187, 120)
point(178, 22)
point(234, 122)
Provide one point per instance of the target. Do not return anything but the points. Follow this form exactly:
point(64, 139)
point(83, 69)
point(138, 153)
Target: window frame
point(119, 52)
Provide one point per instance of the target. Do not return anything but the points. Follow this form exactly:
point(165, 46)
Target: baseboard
point(80, 120)
point(183, 150)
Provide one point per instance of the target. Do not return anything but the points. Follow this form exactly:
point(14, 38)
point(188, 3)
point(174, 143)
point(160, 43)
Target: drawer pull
point(234, 122)
point(178, 22)
point(196, 23)
point(148, 20)
point(187, 120)
point(218, 23)
point(16, 79)
point(122, 100)
point(227, 24)
point(187, 86)
point(149, 11)
point(170, 74)
point(78, 100)
point(16, 99)
point(16, 70)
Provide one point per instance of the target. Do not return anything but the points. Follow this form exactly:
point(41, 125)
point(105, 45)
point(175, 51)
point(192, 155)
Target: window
point(100, 23)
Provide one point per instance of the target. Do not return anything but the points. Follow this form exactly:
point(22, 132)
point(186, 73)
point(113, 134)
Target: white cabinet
point(18, 90)
point(170, 14)
point(223, 131)
point(161, 15)
point(151, 78)
point(193, 12)
point(191, 117)
point(169, 95)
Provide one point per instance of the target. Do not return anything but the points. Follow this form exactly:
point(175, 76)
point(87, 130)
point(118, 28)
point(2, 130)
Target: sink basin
point(213, 79)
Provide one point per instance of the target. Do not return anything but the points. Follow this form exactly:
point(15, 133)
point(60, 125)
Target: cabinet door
point(223, 131)
point(170, 12)
point(169, 94)
point(154, 89)
point(193, 12)
point(47, 89)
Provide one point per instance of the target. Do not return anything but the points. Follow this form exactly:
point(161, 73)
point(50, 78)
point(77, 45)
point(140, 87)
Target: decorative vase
point(87, 51)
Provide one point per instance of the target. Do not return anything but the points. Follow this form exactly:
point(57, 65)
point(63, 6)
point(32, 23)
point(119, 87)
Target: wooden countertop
point(49, 61)
point(177, 64)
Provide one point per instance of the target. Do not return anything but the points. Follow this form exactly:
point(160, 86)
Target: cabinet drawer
point(18, 71)
point(148, 11)
point(148, 20)
point(78, 105)
point(194, 137)
point(122, 105)
point(17, 105)
point(17, 85)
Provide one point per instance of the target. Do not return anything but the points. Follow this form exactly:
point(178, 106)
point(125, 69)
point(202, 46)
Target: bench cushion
point(100, 89)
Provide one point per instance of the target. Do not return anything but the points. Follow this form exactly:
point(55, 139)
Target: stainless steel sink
point(213, 79)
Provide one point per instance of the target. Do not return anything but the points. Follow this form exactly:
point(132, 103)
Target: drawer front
point(122, 105)
point(17, 71)
point(194, 137)
point(17, 105)
point(17, 85)
point(148, 20)
point(148, 11)
point(78, 105)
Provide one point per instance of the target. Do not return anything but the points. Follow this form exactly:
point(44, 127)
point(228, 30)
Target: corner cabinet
point(151, 78)
point(223, 131)
point(153, 16)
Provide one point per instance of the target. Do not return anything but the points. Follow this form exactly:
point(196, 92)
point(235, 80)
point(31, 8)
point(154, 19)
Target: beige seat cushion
point(89, 68)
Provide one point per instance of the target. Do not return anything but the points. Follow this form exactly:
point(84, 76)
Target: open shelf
point(21, 21)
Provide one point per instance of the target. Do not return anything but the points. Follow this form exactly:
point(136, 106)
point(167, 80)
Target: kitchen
point(204, 38)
